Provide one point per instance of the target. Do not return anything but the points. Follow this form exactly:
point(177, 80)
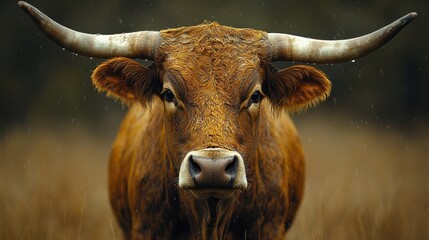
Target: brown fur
point(213, 71)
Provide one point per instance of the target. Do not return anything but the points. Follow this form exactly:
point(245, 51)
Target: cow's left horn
point(284, 47)
point(141, 44)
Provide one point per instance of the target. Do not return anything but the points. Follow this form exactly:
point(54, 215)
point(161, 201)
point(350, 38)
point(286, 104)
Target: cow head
point(214, 82)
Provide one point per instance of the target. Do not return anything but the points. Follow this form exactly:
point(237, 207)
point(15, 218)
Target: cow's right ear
point(126, 80)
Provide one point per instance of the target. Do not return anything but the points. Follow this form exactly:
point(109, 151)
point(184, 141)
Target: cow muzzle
point(213, 172)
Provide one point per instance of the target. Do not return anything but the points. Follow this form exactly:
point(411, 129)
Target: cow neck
point(210, 219)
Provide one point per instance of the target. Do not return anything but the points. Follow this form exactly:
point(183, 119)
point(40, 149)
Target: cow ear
point(296, 88)
point(126, 80)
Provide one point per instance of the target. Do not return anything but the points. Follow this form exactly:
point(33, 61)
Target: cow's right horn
point(141, 44)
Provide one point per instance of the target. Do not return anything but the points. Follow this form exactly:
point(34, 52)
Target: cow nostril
point(231, 168)
point(194, 168)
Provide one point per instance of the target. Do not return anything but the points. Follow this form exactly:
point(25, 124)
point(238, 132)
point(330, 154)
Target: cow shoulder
point(123, 153)
point(137, 180)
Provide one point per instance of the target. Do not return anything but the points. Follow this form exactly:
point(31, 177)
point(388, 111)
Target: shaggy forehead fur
point(214, 39)
point(211, 52)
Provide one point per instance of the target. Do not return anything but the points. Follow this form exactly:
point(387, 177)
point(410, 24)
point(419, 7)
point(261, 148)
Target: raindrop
point(29, 131)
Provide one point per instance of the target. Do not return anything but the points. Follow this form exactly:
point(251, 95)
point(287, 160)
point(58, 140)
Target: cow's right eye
point(168, 96)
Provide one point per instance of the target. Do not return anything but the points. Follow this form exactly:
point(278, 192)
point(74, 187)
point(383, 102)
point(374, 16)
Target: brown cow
point(214, 156)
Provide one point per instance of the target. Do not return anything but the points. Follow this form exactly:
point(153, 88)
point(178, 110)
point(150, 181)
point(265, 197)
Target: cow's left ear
point(296, 88)
point(126, 80)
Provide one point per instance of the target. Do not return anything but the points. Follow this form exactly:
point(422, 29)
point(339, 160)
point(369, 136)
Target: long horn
point(141, 44)
point(284, 47)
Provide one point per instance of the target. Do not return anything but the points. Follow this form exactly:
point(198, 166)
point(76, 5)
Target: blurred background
point(367, 145)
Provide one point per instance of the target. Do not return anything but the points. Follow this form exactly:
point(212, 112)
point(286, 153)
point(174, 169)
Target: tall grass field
point(362, 182)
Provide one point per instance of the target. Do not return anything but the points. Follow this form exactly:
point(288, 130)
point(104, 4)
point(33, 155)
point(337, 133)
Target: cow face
point(213, 81)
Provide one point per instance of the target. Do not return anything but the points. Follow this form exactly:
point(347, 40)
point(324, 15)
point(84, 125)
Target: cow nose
point(219, 172)
point(213, 168)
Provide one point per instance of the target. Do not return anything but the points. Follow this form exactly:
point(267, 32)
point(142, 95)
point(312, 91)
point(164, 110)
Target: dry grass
point(361, 184)
point(364, 183)
point(54, 186)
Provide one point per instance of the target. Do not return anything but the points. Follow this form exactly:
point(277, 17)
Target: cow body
point(149, 206)
point(213, 110)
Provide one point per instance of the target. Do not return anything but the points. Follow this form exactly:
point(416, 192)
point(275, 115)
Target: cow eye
point(256, 97)
point(168, 96)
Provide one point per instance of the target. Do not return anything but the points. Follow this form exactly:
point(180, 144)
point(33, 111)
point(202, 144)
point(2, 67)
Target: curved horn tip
point(24, 5)
point(408, 18)
point(28, 8)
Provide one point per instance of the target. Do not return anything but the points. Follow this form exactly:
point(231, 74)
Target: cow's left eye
point(168, 96)
point(256, 97)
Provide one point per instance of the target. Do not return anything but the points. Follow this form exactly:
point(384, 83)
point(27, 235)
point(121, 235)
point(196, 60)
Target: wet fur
point(212, 69)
